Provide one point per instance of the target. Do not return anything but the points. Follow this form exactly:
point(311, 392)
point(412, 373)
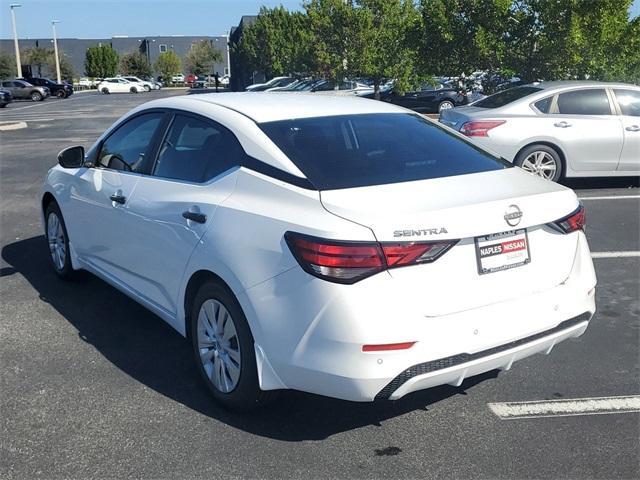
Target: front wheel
point(36, 96)
point(147, 88)
point(61, 94)
point(540, 160)
point(58, 241)
point(223, 349)
point(105, 91)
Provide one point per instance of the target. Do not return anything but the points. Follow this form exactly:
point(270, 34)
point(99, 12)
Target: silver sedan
point(556, 129)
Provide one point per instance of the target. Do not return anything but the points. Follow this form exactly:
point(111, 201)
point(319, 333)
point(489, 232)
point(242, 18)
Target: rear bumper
point(454, 369)
point(310, 333)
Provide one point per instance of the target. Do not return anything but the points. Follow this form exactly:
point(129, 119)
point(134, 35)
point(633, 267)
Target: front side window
point(196, 150)
point(349, 151)
point(505, 97)
point(593, 101)
point(128, 148)
point(629, 101)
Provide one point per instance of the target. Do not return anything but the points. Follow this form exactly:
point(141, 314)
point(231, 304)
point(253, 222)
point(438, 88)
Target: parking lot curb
point(4, 126)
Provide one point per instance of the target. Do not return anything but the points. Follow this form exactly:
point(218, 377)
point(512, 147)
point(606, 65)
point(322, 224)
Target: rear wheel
point(133, 90)
point(105, 90)
point(36, 96)
point(446, 105)
point(58, 241)
point(223, 349)
point(540, 160)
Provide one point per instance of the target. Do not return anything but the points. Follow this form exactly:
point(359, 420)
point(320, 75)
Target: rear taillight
point(348, 262)
point(575, 221)
point(480, 128)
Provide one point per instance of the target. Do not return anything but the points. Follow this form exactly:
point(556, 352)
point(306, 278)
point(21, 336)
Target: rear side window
point(629, 101)
point(593, 101)
point(195, 150)
point(372, 149)
point(128, 147)
point(501, 99)
point(544, 105)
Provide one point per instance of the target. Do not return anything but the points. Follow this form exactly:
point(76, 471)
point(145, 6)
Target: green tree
point(277, 43)
point(168, 64)
point(37, 57)
point(101, 61)
point(7, 65)
point(135, 63)
point(201, 58)
point(385, 38)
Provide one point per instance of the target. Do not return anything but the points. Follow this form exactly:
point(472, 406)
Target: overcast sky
point(108, 18)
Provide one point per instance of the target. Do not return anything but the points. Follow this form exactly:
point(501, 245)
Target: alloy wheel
point(219, 346)
point(55, 236)
point(541, 164)
point(445, 106)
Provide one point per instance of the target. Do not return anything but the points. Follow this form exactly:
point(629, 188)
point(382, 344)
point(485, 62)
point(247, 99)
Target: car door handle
point(633, 128)
point(195, 216)
point(562, 124)
point(118, 198)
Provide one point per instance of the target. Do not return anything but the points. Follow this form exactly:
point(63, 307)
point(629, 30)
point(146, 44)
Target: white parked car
point(556, 129)
point(177, 78)
point(119, 85)
point(332, 245)
point(148, 86)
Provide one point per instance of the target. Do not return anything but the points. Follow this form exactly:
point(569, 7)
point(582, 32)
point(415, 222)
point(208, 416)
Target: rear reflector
point(574, 221)
point(480, 128)
point(348, 262)
point(388, 346)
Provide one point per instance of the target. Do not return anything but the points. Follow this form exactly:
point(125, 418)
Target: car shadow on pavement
point(150, 351)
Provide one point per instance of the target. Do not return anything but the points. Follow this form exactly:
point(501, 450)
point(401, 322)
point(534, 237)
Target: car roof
point(558, 84)
point(273, 106)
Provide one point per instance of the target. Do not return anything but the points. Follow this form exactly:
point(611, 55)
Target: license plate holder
point(502, 251)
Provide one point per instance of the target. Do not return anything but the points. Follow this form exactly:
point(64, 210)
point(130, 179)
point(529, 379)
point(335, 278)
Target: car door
point(629, 104)
point(100, 220)
point(587, 129)
point(194, 173)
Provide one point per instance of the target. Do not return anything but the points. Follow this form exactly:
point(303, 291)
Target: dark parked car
point(60, 90)
point(5, 97)
point(429, 99)
point(22, 89)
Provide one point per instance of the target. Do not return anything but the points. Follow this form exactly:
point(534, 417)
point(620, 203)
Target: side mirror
point(72, 157)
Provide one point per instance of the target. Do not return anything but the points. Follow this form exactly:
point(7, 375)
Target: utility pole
point(55, 49)
point(15, 40)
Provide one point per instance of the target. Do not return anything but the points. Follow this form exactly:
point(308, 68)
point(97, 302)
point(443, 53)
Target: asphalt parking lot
point(95, 386)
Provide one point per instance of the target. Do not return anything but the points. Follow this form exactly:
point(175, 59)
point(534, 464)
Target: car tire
point(61, 94)
point(228, 367)
point(542, 161)
point(445, 105)
point(133, 90)
point(147, 88)
point(36, 97)
point(58, 241)
point(105, 91)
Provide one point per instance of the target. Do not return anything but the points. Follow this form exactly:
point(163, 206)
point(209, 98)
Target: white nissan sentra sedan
point(333, 245)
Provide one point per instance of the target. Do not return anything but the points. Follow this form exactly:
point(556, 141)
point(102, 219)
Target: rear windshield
point(349, 151)
point(506, 96)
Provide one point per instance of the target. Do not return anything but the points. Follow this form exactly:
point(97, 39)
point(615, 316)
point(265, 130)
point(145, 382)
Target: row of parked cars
point(431, 97)
point(33, 88)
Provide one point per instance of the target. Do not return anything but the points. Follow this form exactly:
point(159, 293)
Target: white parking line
point(631, 253)
point(566, 407)
point(610, 197)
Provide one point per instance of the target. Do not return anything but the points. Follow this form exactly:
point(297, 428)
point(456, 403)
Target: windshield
point(349, 151)
point(506, 96)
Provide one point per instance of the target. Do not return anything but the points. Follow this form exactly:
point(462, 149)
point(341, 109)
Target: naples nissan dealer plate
point(502, 251)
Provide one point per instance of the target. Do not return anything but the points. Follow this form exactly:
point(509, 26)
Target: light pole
point(228, 59)
point(55, 49)
point(15, 39)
